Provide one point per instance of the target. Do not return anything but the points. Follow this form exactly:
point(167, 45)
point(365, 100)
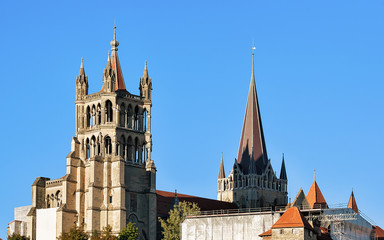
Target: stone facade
point(110, 176)
point(292, 234)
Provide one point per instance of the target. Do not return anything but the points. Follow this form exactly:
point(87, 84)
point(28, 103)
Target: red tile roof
point(267, 233)
point(352, 203)
point(165, 199)
point(379, 232)
point(292, 218)
point(119, 82)
point(315, 197)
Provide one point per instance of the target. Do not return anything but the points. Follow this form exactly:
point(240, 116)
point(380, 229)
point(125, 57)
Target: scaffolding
point(336, 220)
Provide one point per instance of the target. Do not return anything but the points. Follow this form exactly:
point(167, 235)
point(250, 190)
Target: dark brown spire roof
point(221, 170)
point(352, 203)
point(283, 172)
point(252, 144)
point(315, 197)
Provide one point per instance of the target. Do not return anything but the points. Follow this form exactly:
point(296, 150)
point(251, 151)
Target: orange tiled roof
point(352, 203)
point(165, 199)
point(379, 232)
point(267, 233)
point(315, 197)
point(292, 218)
point(119, 83)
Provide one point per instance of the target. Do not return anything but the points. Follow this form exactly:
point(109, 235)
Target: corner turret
point(145, 84)
point(81, 83)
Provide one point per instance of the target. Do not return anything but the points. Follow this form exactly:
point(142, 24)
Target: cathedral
point(110, 177)
point(252, 182)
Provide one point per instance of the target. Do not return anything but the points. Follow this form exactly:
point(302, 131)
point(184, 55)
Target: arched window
point(87, 149)
point(145, 153)
point(136, 150)
point(136, 118)
point(58, 198)
point(145, 120)
point(108, 145)
point(98, 148)
point(93, 146)
point(109, 111)
point(93, 114)
point(48, 200)
point(88, 116)
point(53, 202)
point(122, 115)
point(123, 148)
point(98, 114)
point(130, 149)
point(130, 117)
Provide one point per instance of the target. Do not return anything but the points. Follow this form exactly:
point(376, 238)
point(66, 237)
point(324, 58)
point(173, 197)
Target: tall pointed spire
point(283, 172)
point(119, 80)
point(252, 144)
point(221, 170)
point(352, 203)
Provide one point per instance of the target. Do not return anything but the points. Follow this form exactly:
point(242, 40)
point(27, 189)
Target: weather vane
point(253, 46)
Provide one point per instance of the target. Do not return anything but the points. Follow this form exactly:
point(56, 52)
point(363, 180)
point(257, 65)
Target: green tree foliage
point(106, 234)
point(171, 226)
point(129, 233)
point(17, 237)
point(74, 233)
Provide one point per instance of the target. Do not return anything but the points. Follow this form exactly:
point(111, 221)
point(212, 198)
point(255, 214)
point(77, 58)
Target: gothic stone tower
point(252, 181)
point(111, 178)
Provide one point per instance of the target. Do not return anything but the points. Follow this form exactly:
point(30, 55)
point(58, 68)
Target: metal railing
point(233, 211)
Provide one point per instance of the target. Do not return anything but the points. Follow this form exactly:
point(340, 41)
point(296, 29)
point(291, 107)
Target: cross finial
point(314, 175)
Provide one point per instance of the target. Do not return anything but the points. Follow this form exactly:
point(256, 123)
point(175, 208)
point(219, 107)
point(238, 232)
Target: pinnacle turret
point(145, 84)
point(81, 83)
point(221, 170)
point(283, 172)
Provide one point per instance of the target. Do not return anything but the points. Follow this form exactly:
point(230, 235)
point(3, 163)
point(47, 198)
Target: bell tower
point(110, 177)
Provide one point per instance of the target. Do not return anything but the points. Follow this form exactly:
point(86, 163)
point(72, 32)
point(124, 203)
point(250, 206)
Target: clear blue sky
point(319, 76)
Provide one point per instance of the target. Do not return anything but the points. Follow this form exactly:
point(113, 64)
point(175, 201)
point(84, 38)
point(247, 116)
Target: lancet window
point(109, 111)
point(130, 117)
point(122, 115)
point(145, 120)
point(108, 145)
point(136, 119)
point(88, 116)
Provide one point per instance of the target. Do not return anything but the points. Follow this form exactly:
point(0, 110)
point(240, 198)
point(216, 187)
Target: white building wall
point(46, 224)
point(228, 227)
